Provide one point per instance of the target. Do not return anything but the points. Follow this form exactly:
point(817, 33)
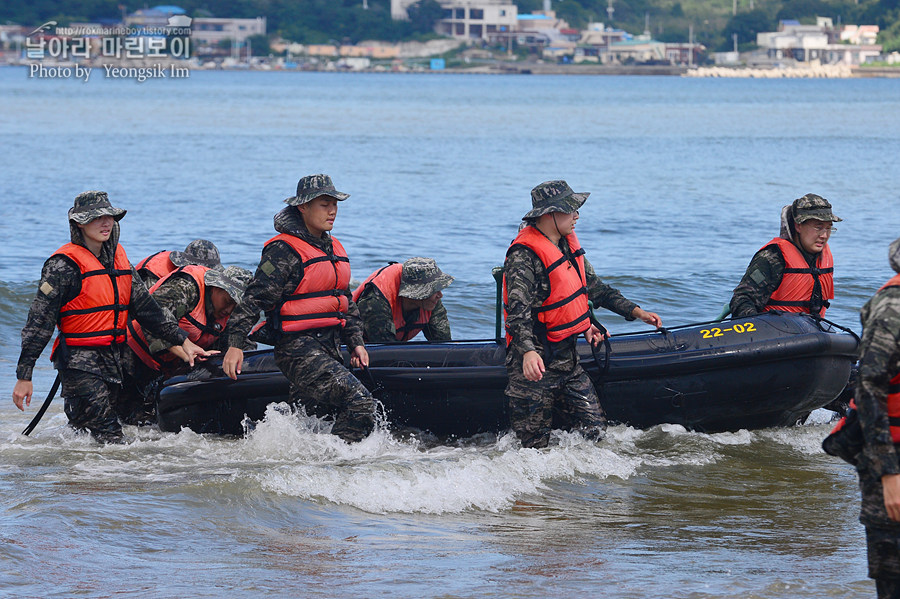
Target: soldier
point(303, 285)
point(399, 300)
point(201, 299)
point(793, 272)
point(546, 287)
point(156, 266)
point(88, 288)
point(878, 404)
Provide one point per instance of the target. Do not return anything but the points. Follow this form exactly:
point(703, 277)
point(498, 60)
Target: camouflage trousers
point(325, 387)
point(91, 404)
point(882, 535)
point(560, 400)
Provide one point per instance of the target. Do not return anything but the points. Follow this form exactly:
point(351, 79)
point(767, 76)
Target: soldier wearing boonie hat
point(89, 288)
point(202, 300)
point(399, 300)
point(877, 399)
point(793, 272)
point(546, 287)
point(302, 285)
point(200, 251)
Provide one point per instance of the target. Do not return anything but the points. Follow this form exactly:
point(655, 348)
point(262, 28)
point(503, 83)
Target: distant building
point(153, 18)
point(211, 31)
point(818, 44)
point(467, 19)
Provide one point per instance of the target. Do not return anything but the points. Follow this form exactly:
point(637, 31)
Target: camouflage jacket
point(178, 296)
point(763, 275)
point(879, 363)
point(528, 286)
point(277, 276)
point(378, 319)
point(60, 284)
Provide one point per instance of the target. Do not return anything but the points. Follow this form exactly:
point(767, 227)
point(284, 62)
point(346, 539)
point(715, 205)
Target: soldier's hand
point(532, 366)
point(22, 393)
point(651, 318)
point(359, 357)
point(195, 352)
point(594, 335)
point(891, 484)
point(231, 364)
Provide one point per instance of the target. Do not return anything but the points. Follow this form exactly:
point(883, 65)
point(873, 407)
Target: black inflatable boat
point(765, 371)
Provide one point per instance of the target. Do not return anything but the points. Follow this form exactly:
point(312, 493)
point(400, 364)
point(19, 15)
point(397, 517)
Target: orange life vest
point(98, 315)
point(794, 294)
point(893, 398)
point(158, 263)
point(387, 280)
point(566, 311)
point(194, 323)
point(320, 300)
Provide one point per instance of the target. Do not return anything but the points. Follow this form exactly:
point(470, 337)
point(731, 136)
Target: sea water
point(687, 179)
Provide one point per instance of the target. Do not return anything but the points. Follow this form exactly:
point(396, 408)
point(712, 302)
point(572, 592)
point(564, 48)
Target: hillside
point(316, 21)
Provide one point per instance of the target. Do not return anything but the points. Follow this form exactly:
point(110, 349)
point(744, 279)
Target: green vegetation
point(347, 21)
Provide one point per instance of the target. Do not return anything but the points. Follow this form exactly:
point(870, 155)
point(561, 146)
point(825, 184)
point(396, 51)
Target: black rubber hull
point(770, 370)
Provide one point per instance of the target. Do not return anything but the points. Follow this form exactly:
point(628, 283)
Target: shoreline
point(526, 68)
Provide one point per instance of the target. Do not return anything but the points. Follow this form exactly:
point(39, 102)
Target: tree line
point(710, 22)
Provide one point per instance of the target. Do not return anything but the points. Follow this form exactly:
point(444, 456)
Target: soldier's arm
point(762, 278)
point(177, 297)
point(521, 268)
point(352, 331)
point(879, 362)
point(375, 311)
point(152, 318)
point(279, 268)
point(606, 296)
point(438, 327)
point(60, 283)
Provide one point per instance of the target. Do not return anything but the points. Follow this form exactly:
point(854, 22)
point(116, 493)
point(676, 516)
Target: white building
point(814, 44)
point(212, 31)
point(468, 19)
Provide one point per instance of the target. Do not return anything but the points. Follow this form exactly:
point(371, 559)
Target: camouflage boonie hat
point(421, 278)
point(811, 207)
point(200, 251)
point(894, 255)
point(233, 280)
point(554, 196)
point(313, 186)
point(93, 204)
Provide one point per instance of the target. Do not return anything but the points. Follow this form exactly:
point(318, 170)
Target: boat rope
point(820, 320)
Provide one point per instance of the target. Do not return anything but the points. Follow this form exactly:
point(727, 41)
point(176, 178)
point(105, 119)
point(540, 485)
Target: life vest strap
point(810, 271)
point(338, 315)
point(325, 259)
point(561, 327)
point(562, 302)
point(559, 262)
point(106, 271)
point(118, 307)
point(204, 328)
point(324, 293)
point(893, 388)
point(112, 332)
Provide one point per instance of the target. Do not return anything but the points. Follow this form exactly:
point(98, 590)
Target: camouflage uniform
point(766, 269)
point(177, 296)
point(879, 363)
point(565, 397)
point(310, 359)
point(91, 376)
point(420, 279)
